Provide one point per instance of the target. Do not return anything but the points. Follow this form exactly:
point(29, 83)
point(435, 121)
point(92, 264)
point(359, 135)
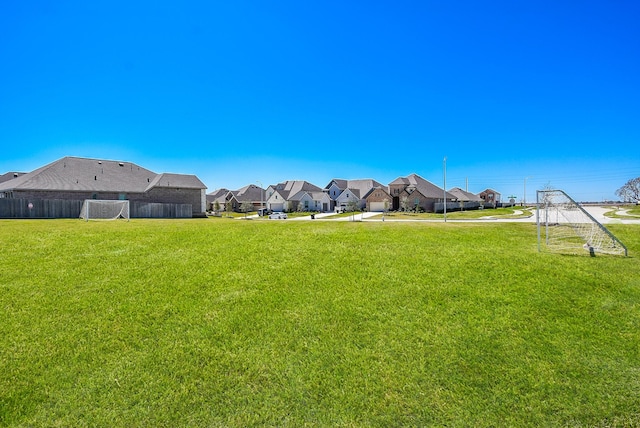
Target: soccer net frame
point(101, 209)
point(568, 227)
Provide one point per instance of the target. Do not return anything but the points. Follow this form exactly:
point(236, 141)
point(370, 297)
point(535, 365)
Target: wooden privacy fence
point(65, 208)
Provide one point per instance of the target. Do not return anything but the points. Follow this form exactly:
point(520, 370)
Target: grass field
point(503, 213)
point(243, 323)
point(624, 212)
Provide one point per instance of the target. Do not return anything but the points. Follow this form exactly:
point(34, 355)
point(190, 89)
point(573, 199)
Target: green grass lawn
point(242, 323)
point(624, 212)
point(512, 212)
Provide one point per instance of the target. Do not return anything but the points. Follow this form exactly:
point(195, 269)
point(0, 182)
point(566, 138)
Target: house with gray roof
point(464, 196)
point(490, 197)
point(287, 196)
point(346, 192)
point(219, 196)
point(74, 178)
point(250, 193)
point(466, 200)
point(414, 192)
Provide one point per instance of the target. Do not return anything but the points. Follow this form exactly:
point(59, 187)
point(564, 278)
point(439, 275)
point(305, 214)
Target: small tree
point(630, 192)
point(228, 208)
point(289, 206)
point(404, 203)
point(352, 207)
point(246, 207)
point(216, 207)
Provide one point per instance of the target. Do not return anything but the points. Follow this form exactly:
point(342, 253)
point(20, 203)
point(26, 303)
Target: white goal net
point(95, 209)
point(566, 226)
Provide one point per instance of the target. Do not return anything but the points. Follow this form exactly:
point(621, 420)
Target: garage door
point(376, 206)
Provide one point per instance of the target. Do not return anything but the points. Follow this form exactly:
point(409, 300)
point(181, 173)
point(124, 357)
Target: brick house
point(378, 199)
point(413, 192)
point(73, 178)
point(490, 197)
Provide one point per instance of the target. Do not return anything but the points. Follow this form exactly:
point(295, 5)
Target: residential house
point(379, 199)
point(287, 197)
point(466, 200)
point(73, 178)
point(309, 200)
point(414, 192)
point(219, 196)
point(250, 193)
point(490, 197)
point(345, 192)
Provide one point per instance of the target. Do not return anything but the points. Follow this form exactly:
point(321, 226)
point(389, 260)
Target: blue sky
point(240, 92)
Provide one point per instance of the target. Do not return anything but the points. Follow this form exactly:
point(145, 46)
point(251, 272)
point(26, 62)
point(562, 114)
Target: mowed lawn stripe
point(236, 323)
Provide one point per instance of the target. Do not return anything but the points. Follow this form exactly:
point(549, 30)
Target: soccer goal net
point(95, 209)
point(565, 226)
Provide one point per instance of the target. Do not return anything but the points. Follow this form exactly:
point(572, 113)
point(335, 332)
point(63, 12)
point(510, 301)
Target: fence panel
point(67, 208)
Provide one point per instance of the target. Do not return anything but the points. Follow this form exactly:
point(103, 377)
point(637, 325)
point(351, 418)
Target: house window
point(122, 196)
point(94, 196)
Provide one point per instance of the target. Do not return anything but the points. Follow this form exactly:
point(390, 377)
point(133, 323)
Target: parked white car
point(278, 215)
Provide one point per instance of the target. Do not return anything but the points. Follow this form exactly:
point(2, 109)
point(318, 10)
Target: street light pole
point(444, 193)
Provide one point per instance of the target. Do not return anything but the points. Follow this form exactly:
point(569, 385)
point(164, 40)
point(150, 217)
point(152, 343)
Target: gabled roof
point(489, 191)
point(299, 195)
point(250, 193)
point(465, 196)
point(362, 185)
point(291, 187)
point(218, 194)
point(319, 195)
point(360, 188)
point(10, 176)
point(95, 175)
point(385, 189)
point(426, 188)
point(342, 184)
point(182, 181)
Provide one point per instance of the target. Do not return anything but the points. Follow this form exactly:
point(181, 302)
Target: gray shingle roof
point(10, 176)
point(249, 193)
point(464, 196)
point(426, 188)
point(82, 174)
point(292, 187)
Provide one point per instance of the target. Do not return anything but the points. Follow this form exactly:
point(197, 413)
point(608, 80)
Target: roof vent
point(15, 174)
point(120, 163)
point(99, 162)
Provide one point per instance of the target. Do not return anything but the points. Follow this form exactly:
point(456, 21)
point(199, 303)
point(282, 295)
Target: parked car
point(264, 211)
point(278, 215)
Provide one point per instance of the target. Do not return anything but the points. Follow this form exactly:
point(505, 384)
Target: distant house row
point(77, 179)
point(404, 193)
